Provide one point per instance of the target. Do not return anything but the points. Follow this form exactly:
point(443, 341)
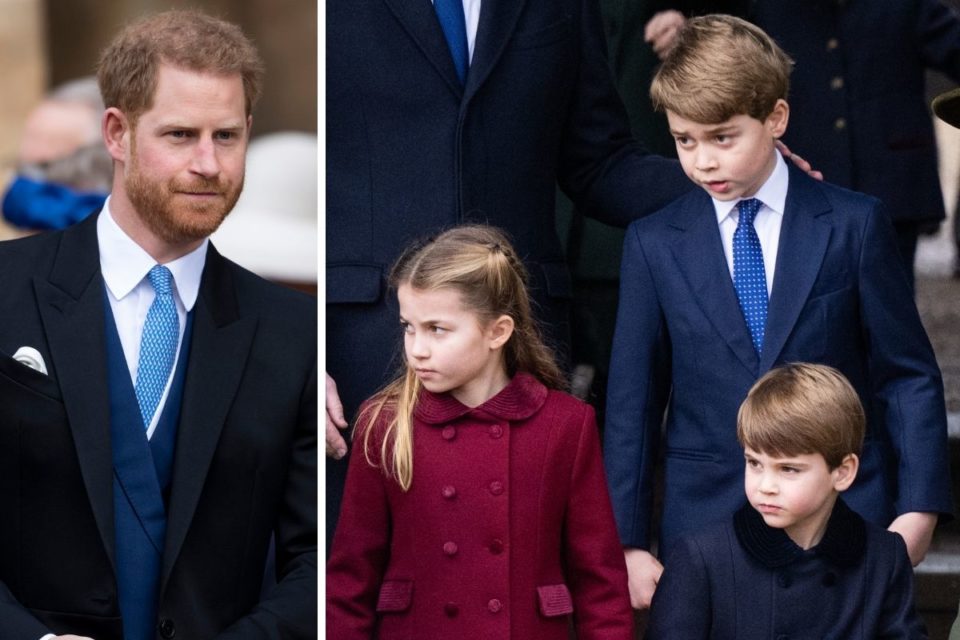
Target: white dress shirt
point(125, 265)
point(773, 195)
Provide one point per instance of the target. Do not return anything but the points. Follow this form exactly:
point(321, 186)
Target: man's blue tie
point(450, 13)
point(158, 345)
point(749, 277)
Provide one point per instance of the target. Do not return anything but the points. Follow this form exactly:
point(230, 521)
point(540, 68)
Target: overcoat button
point(449, 432)
point(449, 492)
point(167, 628)
point(496, 487)
point(494, 605)
point(496, 547)
point(451, 609)
point(450, 548)
point(496, 431)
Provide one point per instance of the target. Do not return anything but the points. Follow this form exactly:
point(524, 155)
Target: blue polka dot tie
point(749, 278)
point(158, 345)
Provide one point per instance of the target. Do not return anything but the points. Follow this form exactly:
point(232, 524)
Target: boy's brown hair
point(800, 409)
point(721, 67)
point(190, 40)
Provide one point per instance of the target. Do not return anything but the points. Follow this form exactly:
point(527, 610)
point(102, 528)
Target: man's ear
point(846, 472)
point(117, 131)
point(500, 331)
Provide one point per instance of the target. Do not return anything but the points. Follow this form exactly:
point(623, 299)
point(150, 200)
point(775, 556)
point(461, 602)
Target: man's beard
point(179, 223)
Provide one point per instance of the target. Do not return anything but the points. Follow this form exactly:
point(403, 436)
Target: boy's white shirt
point(773, 195)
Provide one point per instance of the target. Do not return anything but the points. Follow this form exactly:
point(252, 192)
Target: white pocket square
point(31, 357)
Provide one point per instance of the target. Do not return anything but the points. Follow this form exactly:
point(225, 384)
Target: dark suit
point(244, 464)
point(743, 580)
point(839, 297)
point(410, 152)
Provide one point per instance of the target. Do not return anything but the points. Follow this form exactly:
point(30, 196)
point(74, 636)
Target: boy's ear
point(500, 331)
point(846, 472)
point(777, 120)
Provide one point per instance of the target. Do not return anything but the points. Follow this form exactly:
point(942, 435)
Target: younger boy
point(796, 561)
point(761, 266)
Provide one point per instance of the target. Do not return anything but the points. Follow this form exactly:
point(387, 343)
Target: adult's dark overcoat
point(244, 464)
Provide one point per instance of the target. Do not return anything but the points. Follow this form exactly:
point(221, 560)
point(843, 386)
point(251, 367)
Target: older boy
point(796, 561)
point(762, 266)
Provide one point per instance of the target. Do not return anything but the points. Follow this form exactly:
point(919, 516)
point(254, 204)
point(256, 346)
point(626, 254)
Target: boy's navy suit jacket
point(839, 297)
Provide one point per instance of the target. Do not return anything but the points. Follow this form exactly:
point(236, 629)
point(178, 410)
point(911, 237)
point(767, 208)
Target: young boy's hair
point(800, 409)
point(721, 67)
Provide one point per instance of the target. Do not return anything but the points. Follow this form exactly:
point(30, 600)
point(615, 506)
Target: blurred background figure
point(273, 229)
point(63, 170)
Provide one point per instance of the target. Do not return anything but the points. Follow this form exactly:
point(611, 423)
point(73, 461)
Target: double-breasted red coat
point(505, 532)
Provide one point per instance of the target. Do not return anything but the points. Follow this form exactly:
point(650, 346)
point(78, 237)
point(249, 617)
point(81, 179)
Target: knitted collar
point(843, 542)
point(521, 398)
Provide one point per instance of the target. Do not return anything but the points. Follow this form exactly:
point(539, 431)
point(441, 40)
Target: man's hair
point(721, 67)
point(190, 40)
point(802, 408)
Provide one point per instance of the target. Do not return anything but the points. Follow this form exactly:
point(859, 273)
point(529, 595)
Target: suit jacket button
point(449, 432)
point(450, 548)
point(494, 605)
point(451, 609)
point(167, 628)
point(496, 547)
point(496, 431)
point(449, 492)
point(784, 580)
point(496, 487)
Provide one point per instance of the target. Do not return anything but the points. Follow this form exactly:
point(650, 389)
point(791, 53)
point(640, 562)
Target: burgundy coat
point(506, 530)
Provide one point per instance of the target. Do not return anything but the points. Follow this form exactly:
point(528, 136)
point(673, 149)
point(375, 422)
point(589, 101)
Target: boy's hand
point(336, 445)
point(916, 529)
point(643, 574)
point(802, 164)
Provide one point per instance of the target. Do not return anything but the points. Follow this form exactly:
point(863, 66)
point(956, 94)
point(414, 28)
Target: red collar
point(520, 399)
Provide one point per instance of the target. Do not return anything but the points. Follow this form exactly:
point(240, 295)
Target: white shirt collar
point(773, 193)
point(124, 263)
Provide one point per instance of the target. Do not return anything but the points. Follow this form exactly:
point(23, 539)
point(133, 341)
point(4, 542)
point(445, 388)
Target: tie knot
point(748, 210)
point(160, 278)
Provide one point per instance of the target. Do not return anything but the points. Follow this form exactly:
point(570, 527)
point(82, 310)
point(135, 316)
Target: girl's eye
point(437, 329)
point(405, 327)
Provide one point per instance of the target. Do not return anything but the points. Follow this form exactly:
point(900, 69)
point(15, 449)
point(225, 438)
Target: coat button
point(496, 487)
point(450, 548)
point(784, 580)
point(496, 431)
point(829, 579)
point(836, 83)
point(840, 124)
point(449, 432)
point(494, 605)
point(832, 44)
point(451, 609)
point(496, 546)
point(167, 628)
point(449, 492)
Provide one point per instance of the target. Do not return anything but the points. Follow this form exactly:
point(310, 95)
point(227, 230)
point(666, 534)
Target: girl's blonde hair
point(478, 262)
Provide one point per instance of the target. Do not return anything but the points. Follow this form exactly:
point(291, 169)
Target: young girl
point(475, 504)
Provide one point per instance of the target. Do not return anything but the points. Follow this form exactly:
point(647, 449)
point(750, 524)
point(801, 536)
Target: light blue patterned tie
point(158, 345)
point(454, 25)
point(749, 277)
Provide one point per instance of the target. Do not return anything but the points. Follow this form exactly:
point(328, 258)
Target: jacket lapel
point(71, 307)
point(700, 259)
point(498, 20)
point(803, 244)
point(420, 21)
point(218, 354)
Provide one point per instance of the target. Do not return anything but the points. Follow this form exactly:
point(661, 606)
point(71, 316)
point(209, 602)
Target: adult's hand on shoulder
point(661, 31)
point(916, 529)
point(336, 445)
point(643, 574)
point(802, 164)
